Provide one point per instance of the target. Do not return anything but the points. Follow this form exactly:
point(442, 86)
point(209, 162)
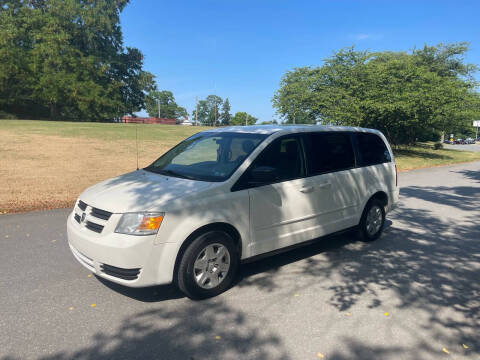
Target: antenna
point(136, 140)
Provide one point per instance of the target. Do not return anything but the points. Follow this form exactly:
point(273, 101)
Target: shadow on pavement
point(146, 294)
point(430, 262)
point(203, 330)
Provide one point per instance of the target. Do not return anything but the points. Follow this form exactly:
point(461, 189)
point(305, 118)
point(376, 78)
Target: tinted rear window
point(372, 149)
point(328, 152)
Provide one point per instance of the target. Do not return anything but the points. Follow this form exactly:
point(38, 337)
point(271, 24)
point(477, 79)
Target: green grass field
point(101, 131)
point(422, 155)
point(46, 164)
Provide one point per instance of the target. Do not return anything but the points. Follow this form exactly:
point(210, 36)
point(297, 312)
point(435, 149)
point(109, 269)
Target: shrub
point(7, 116)
point(437, 146)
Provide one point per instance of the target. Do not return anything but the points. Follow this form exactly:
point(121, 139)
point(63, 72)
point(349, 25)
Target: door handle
point(307, 189)
point(324, 185)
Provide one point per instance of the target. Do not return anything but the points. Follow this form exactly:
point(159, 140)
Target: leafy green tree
point(168, 107)
point(208, 110)
point(405, 95)
point(241, 117)
point(225, 116)
point(65, 59)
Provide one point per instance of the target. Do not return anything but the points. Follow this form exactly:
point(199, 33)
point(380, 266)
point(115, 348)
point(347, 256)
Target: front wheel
point(373, 219)
point(208, 266)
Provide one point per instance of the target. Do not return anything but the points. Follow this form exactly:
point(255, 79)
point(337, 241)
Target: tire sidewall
point(363, 223)
point(186, 279)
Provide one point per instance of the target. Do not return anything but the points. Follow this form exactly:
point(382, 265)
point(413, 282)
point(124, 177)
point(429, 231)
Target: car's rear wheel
point(208, 265)
point(372, 221)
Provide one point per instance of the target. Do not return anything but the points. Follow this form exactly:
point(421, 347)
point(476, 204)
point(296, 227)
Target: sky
point(240, 49)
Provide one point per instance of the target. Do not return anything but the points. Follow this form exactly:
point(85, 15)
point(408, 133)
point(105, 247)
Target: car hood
point(139, 191)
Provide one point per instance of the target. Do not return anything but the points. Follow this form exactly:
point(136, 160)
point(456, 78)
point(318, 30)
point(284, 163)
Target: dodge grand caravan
point(229, 194)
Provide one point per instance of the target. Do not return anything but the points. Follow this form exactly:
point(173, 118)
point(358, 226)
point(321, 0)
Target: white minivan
point(230, 194)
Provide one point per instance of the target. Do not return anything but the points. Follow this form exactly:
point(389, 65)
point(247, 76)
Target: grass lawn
point(423, 155)
point(45, 164)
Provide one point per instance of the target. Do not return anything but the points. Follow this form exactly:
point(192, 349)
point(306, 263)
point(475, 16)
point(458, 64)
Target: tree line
point(65, 59)
point(211, 111)
point(409, 96)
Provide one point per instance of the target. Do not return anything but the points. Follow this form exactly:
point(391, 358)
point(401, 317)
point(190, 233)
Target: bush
point(437, 146)
point(7, 116)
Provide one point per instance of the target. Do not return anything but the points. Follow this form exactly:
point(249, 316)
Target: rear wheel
point(208, 265)
point(373, 219)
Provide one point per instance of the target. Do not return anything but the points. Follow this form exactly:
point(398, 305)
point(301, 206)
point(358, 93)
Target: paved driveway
point(413, 294)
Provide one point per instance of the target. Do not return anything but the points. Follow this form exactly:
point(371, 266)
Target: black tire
point(364, 232)
point(185, 276)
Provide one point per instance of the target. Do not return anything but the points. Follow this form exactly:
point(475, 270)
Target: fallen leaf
point(54, 240)
point(348, 314)
point(465, 346)
point(93, 305)
point(6, 236)
point(70, 308)
point(320, 355)
point(218, 337)
point(445, 351)
point(386, 314)
point(89, 275)
point(28, 235)
point(296, 295)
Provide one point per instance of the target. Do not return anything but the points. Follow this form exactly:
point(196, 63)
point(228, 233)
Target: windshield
point(207, 156)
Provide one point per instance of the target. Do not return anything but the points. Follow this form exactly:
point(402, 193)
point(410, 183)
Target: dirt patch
point(46, 171)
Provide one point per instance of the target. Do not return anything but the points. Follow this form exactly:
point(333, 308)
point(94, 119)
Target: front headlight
point(140, 223)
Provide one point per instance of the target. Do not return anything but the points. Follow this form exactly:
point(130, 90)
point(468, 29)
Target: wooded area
point(65, 59)
point(407, 95)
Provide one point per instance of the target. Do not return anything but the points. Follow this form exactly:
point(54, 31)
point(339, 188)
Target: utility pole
point(158, 103)
point(196, 110)
point(215, 121)
point(246, 120)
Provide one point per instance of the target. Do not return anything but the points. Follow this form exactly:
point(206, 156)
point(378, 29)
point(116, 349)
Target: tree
point(241, 117)
point(405, 95)
point(225, 116)
point(65, 59)
point(168, 107)
point(208, 110)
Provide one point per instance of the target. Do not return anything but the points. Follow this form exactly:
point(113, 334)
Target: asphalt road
point(413, 294)
point(466, 147)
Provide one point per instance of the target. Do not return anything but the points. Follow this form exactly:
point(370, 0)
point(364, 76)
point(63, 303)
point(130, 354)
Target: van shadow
point(145, 294)
point(267, 266)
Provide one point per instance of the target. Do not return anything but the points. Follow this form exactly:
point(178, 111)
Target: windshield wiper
point(174, 174)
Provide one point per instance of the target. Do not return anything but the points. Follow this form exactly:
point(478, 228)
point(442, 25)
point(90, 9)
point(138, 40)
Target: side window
point(372, 149)
point(329, 152)
point(285, 155)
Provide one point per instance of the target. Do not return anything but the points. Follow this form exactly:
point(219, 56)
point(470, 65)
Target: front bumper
point(129, 260)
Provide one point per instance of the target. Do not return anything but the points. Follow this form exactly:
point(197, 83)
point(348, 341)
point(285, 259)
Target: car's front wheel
point(208, 265)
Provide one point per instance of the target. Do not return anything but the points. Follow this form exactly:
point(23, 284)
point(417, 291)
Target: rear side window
point(329, 152)
point(372, 149)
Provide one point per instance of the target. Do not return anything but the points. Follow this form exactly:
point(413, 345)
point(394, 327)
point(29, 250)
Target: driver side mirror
point(263, 175)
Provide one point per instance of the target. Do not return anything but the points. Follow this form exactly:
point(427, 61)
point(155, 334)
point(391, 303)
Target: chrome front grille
point(92, 218)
